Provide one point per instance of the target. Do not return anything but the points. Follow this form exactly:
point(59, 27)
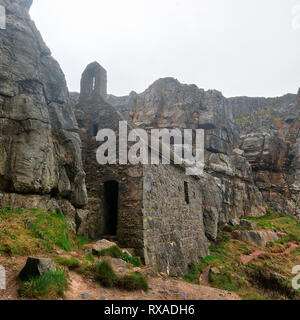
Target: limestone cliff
point(40, 149)
point(270, 138)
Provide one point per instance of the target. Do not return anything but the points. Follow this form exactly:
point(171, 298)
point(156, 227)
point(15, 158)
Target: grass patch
point(26, 232)
point(116, 252)
point(194, 273)
point(135, 261)
point(280, 222)
point(87, 269)
point(81, 241)
point(113, 251)
point(195, 270)
point(223, 280)
point(71, 263)
point(108, 278)
point(133, 282)
point(90, 257)
point(236, 277)
point(50, 285)
point(105, 274)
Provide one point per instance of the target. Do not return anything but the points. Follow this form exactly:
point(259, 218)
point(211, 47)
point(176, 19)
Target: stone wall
point(173, 229)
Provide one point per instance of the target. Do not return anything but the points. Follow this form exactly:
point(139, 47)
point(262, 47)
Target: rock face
point(39, 144)
point(260, 238)
point(269, 132)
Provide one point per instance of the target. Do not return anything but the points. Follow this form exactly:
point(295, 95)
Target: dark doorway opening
point(111, 198)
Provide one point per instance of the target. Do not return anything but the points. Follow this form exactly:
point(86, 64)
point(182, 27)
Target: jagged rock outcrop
point(39, 144)
point(270, 138)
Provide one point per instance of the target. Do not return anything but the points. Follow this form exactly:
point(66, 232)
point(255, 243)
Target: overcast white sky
point(240, 47)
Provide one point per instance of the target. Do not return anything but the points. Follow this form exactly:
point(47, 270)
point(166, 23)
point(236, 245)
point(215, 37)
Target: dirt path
point(160, 289)
point(258, 252)
point(81, 288)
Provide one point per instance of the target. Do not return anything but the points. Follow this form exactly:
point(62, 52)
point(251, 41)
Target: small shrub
point(49, 285)
point(105, 274)
point(133, 281)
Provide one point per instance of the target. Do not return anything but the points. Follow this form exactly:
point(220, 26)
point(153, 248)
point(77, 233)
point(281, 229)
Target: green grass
point(47, 286)
point(116, 252)
point(196, 270)
point(226, 255)
point(194, 273)
point(81, 241)
point(71, 263)
point(90, 257)
point(26, 232)
point(280, 222)
point(133, 282)
point(113, 251)
point(135, 261)
point(108, 278)
point(105, 274)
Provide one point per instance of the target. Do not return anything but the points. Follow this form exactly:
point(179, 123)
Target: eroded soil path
point(82, 288)
point(248, 258)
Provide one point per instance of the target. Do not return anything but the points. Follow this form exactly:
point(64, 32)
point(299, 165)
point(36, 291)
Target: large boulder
point(260, 238)
point(36, 267)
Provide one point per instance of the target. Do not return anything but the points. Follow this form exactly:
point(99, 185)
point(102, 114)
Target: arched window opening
point(186, 192)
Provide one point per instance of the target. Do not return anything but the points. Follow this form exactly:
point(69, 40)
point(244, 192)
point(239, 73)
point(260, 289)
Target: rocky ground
point(82, 288)
point(236, 269)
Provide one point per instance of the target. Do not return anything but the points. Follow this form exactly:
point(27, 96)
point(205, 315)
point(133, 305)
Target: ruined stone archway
point(93, 82)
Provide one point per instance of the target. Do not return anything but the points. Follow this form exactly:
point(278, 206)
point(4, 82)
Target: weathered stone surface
point(247, 224)
point(260, 238)
point(269, 136)
point(36, 267)
point(174, 233)
point(235, 222)
point(211, 220)
point(39, 144)
point(82, 225)
point(100, 245)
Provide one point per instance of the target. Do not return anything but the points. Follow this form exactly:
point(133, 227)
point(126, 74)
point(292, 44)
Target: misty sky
point(240, 47)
